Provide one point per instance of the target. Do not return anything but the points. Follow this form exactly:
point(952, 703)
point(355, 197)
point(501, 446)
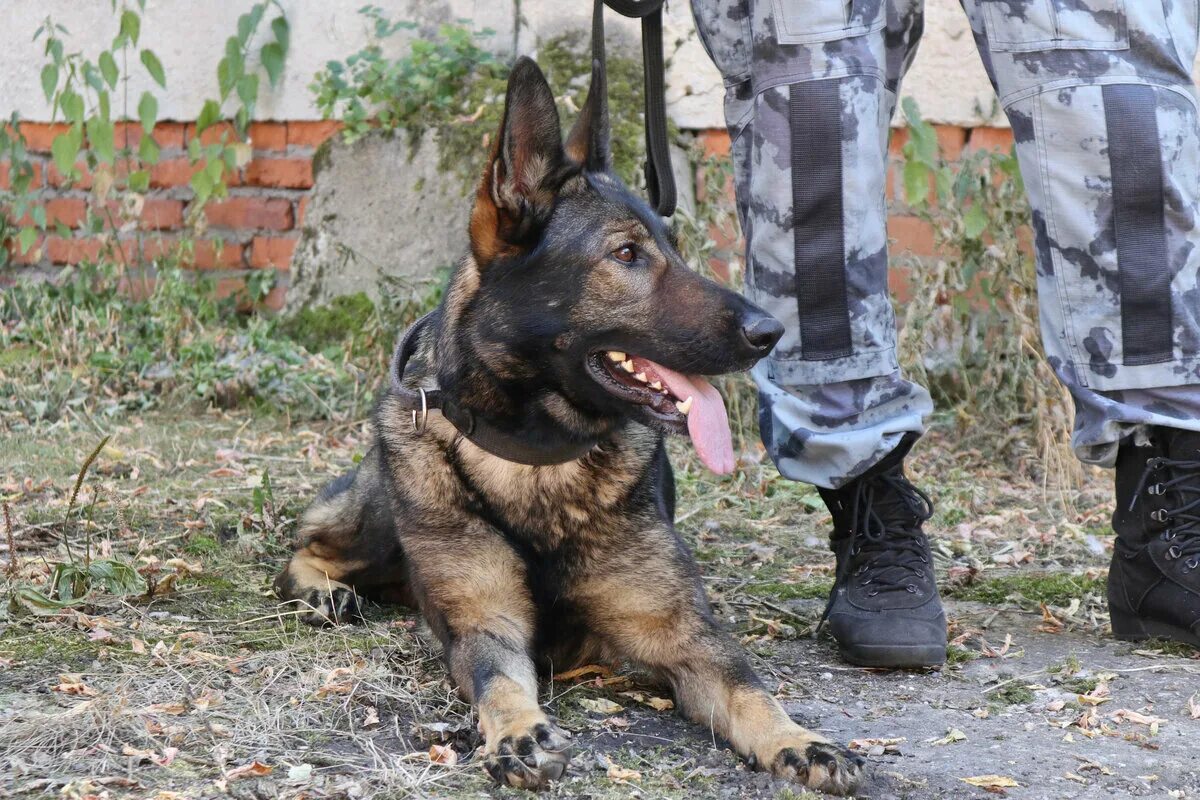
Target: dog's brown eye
point(625, 254)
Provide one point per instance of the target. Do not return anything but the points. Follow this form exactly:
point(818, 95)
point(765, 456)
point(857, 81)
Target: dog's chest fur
point(580, 505)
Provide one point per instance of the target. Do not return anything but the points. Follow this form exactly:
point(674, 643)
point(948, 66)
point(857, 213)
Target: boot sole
point(893, 657)
point(1130, 628)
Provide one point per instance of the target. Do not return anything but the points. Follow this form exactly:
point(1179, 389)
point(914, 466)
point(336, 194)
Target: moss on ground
point(1049, 588)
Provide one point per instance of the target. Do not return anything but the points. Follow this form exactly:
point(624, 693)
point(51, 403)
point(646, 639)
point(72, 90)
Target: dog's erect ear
point(588, 141)
point(516, 195)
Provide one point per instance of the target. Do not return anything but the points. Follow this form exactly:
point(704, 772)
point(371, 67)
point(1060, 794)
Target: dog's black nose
point(762, 331)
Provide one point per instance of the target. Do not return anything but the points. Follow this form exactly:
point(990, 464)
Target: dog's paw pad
point(821, 765)
point(530, 760)
point(336, 606)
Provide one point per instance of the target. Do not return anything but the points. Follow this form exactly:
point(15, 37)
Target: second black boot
point(1154, 580)
point(884, 610)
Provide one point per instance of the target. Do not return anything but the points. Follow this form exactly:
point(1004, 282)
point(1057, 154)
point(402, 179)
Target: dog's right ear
point(516, 194)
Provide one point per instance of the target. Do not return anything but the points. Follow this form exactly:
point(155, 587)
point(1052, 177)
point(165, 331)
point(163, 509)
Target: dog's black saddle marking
point(522, 449)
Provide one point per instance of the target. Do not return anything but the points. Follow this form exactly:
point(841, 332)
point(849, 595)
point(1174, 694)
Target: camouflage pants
point(1104, 113)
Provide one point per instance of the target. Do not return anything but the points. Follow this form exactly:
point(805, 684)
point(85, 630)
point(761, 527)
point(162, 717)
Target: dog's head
point(576, 300)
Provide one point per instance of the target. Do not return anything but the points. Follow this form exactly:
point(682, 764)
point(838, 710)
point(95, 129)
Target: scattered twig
point(12, 544)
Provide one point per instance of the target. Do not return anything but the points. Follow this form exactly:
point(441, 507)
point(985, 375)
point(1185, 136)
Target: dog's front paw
point(335, 604)
point(529, 759)
point(819, 765)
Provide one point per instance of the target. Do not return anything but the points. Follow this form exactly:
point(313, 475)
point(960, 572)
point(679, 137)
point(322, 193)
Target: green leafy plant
point(73, 581)
point(91, 95)
point(970, 332)
point(452, 84)
point(17, 199)
point(237, 83)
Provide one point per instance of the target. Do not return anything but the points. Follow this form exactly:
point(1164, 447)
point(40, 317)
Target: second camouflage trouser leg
point(810, 91)
point(1103, 109)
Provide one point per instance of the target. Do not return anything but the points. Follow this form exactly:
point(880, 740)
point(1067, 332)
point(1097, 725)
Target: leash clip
point(424, 414)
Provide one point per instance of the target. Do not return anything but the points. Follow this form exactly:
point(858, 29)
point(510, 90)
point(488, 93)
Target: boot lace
point(887, 549)
point(1184, 519)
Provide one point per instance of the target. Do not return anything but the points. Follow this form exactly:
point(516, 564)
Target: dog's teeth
point(656, 386)
point(685, 406)
point(616, 356)
point(627, 365)
point(641, 376)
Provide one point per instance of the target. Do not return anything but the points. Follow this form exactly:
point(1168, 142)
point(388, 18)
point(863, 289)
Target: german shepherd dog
point(573, 324)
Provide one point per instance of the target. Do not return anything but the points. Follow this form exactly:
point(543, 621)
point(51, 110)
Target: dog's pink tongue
point(708, 423)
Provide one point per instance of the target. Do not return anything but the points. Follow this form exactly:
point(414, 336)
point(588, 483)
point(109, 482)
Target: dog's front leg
point(648, 605)
point(474, 595)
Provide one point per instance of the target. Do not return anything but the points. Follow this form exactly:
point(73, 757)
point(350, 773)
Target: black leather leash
point(660, 181)
point(537, 452)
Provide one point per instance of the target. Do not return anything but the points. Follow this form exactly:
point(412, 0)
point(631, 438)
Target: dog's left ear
point(588, 142)
point(516, 194)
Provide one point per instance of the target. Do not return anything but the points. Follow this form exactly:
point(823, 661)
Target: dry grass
point(185, 690)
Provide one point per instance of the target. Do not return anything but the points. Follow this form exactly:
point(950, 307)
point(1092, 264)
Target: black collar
point(533, 451)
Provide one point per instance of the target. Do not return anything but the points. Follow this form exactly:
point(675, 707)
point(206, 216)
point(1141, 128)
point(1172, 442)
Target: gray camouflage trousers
point(1100, 97)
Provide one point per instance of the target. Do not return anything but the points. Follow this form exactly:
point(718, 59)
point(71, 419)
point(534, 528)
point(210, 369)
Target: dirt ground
point(199, 685)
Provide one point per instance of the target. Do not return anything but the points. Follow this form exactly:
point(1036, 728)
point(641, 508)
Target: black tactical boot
point(1154, 580)
point(884, 610)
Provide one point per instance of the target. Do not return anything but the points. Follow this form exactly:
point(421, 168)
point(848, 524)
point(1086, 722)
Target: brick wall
point(254, 228)
point(257, 225)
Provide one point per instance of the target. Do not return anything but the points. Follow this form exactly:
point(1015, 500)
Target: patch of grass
point(1170, 648)
point(1049, 588)
point(202, 545)
point(817, 589)
point(1011, 695)
point(957, 656)
point(1080, 685)
point(337, 324)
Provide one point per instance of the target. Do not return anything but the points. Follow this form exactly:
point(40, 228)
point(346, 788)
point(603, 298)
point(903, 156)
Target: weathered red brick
point(208, 256)
point(911, 234)
point(160, 214)
point(990, 139)
point(280, 173)
point(57, 179)
point(6, 175)
point(311, 133)
point(272, 251)
point(40, 135)
point(213, 134)
point(271, 213)
point(714, 142)
point(951, 140)
point(268, 135)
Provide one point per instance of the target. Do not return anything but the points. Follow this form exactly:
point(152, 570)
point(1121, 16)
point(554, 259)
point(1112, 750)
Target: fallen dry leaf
point(620, 774)
point(991, 781)
point(1101, 694)
point(255, 769)
point(953, 735)
point(72, 683)
point(336, 682)
point(175, 708)
point(660, 703)
point(1194, 707)
point(443, 754)
point(583, 672)
point(877, 746)
point(601, 705)
point(1125, 715)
